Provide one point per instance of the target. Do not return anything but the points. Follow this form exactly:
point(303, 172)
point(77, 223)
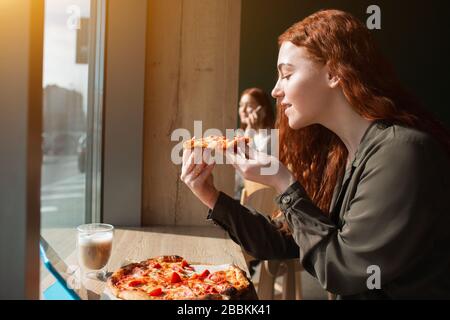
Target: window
point(72, 114)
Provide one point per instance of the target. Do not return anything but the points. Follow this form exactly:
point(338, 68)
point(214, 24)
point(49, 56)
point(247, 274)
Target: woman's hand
point(196, 174)
point(253, 118)
point(261, 168)
point(250, 118)
point(243, 115)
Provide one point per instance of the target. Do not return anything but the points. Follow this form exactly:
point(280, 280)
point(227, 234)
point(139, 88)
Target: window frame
point(125, 66)
point(95, 112)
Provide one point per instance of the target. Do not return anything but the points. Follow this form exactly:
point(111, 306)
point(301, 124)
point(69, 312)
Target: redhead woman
point(365, 198)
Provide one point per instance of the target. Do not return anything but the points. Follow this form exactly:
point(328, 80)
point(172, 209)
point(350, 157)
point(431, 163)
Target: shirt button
point(286, 199)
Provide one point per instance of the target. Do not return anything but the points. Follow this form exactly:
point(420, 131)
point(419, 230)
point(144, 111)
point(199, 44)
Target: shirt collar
point(371, 132)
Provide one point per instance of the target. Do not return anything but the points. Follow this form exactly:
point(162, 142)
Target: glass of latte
point(94, 244)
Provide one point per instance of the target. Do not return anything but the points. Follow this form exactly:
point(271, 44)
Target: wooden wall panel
point(160, 182)
point(192, 74)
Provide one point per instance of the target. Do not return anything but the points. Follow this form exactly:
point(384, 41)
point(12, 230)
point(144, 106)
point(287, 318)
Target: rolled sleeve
point(255, 232)
point(308, 224)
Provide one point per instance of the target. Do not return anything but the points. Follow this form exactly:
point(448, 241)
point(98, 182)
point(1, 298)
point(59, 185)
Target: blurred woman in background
point(257, 119)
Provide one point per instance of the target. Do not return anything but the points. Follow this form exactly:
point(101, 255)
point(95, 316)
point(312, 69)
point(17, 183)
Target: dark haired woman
point(366, 193)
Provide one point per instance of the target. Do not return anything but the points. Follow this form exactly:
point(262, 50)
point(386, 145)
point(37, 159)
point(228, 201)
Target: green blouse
point(390, 212)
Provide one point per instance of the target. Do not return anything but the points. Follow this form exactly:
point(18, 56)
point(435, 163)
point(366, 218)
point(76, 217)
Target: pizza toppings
point(136, 283)
point(171, 277)
point(211, 289)
point(195, 276)
point(175, 278)
point(138, 272)
point(216, 277)
point(184, 264)
point(204, 274)
point(156, 292)
point(177, 269)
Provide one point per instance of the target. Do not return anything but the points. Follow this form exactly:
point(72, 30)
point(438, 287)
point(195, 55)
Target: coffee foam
point(95, 238)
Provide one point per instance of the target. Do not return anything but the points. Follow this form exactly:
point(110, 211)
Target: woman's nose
point(276, 91)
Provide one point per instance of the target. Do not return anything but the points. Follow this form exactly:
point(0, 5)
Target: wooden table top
point(198, 245)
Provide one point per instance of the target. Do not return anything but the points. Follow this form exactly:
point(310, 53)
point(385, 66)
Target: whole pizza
point(173, 278)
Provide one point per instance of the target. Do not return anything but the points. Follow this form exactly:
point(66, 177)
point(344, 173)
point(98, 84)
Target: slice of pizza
point(217, 143)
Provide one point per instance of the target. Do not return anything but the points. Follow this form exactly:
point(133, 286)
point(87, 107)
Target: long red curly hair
point(315, 155)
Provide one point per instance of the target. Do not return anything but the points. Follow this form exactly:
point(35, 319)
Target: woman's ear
point(333, 81)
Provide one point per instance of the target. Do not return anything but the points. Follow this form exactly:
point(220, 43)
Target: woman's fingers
point(197, 171)
point(205, 173)
point(256, 156)
point(207, 157)
point(232, 158)
point(186, 154)
point(199, 174)
point(195, 165)
point(252, 117)
point(247, 151)
point(254, 114)
point(188, 178)
point(188, 164)
point(238, 161)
